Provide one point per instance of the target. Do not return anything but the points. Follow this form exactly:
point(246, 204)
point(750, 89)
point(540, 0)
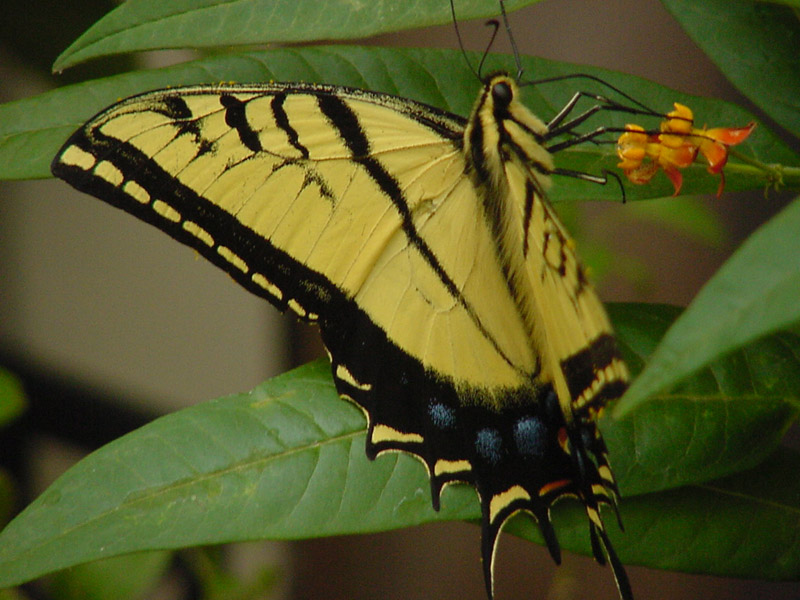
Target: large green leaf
point(272, 463)
point(742, 526)
point(32, 130)
point(755, 45)
point(755, 293)
point(727, 418)
point(154, 24)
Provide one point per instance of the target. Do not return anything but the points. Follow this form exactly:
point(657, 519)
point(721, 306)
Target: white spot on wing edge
point(345, 375)
point(137, 192)
point(232, 258)
point(503, 499)
point(297, 307)
point(198, 232)
point(443, 466)
point(166, 211)
point(384, 433)
point(108, 172)
point(76, 157)
point(605, 473)
point(265, 283)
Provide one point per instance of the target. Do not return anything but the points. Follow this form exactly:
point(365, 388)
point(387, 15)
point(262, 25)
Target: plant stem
point(778, 176)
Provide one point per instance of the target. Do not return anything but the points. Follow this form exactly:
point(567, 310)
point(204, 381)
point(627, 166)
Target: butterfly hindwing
point(448, 294)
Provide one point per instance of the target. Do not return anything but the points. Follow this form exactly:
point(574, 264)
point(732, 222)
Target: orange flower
point(676, 147)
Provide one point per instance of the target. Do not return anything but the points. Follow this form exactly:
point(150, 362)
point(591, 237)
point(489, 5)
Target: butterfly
point(448, 294)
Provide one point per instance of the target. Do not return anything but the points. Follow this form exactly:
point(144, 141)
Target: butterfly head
point(501, 130)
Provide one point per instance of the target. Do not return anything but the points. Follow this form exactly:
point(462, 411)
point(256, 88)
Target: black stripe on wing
point(282, 121)
point(193, 220)
point(236, 118)
point(352, 134)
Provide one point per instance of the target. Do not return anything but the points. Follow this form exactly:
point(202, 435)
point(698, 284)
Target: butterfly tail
point(493, 523)
point(620, 576)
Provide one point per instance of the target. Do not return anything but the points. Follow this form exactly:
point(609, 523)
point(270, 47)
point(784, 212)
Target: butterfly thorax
point(500, 129)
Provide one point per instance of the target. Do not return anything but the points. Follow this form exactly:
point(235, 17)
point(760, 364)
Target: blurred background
point(102, 309)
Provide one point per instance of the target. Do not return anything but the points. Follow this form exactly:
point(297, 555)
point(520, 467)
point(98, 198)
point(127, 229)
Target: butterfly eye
point(501, 93)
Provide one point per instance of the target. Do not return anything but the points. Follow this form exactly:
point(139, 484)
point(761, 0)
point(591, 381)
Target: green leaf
point(126, 577)
point(268, 464)
point(755, 45)
point(753, 294)
point(153, 24)
point(12, 397)
point(32, 130)
point(742, 526)
point(272, 463)
point(727, 418)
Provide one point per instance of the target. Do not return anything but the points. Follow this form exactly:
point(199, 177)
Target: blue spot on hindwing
point(530, 436)
point(489, 445)
point(442, 416)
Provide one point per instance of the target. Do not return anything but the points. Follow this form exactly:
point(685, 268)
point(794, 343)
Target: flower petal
point(676, 177)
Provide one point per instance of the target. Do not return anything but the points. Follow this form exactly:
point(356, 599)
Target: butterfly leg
point(559, 124)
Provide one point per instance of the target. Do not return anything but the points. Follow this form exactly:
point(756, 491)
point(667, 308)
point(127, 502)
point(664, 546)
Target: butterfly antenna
point(461, 42)
point(496, 25)
point(511, 39)
point(603, 82)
